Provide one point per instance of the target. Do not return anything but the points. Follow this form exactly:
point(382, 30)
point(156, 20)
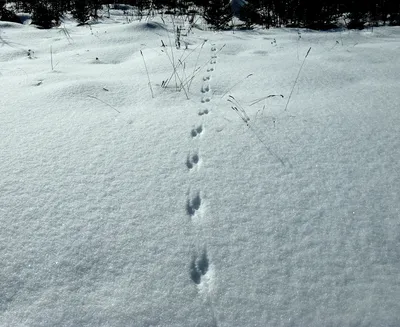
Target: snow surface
point(119, 209)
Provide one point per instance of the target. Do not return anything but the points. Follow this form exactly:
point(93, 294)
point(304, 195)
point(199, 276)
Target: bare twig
point(93, 97)
point(236, 84)
point(264, 98)
point(298, 74)
point(239, 109)
point(246, 119)
point(175, 73)
point(51, 58)
point(67, 35)
point(173, 57)
point(190, 79)
point(148, 76)
point(175, 67)
point(195, 65)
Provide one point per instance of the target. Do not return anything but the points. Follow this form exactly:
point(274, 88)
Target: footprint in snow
point(205, 88)
point(193, 160)
point(199, 267)
point(203, 112)
point(196, 131)
point(193, 205)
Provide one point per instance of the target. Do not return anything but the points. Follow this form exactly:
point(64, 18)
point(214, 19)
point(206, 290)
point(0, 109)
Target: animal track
point(196, 131)
point(205, 88)
point(201, 273)
point(199, 267)
point(192, 161)
point(193, 205)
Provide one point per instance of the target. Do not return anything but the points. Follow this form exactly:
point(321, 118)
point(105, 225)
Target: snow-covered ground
point(120, 209)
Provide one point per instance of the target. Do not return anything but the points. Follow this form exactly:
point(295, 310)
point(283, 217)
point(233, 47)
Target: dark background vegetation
point(320, 15)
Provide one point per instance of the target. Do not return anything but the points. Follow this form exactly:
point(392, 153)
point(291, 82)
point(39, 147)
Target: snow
point(119, 209)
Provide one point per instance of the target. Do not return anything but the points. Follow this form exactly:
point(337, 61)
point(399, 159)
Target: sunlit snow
point(224, 209)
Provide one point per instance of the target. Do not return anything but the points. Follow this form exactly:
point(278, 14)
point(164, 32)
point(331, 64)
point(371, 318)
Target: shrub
point(394, 19)
point(357, 21)
point(9, 16)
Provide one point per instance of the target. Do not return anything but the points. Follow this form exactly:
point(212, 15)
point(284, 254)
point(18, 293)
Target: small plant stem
point(148, 76)
point(181, 60)
point(175, 73)
point(236, 84)
point(295, 82)
point(173, 57)
point(93, 97)
point(246, 119)
point(51, 57)
point(197, 60)
point(190, 79)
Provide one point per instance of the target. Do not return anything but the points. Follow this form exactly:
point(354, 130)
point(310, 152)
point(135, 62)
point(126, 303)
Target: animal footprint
point(213, 48)
point(213, 61)
point(196, 131)
point(210, 69)
point(206, 78)
point(199, 267)
point(193, 205)
point(192, 161)
point(203, 112)
point(205, 88)
point(205, 99)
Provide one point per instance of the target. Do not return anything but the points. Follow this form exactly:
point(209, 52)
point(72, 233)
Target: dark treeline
point(322, 14)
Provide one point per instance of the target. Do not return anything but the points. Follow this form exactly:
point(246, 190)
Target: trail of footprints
point(206, 88)
point(200, 264)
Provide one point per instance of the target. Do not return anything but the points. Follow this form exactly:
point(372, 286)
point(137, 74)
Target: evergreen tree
point(8, 15)
point(358, 14)
point(322, 14)
point(218, 13)
point(392, 10)
point(83, 10)
point(45, 13)
point(249, 15)
point(266, 12)
point(26, 5)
